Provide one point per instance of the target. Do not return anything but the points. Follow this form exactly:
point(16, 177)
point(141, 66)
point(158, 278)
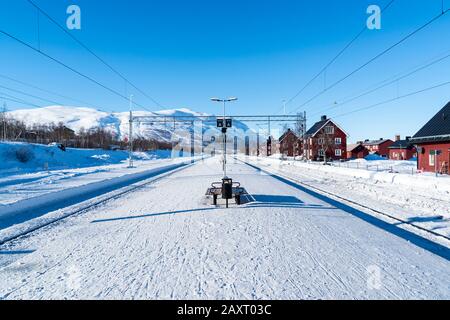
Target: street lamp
point(224, 130)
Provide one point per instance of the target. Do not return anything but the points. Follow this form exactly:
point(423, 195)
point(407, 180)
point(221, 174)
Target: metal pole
point(130, 138)
point(436, 162)
point(224, 143)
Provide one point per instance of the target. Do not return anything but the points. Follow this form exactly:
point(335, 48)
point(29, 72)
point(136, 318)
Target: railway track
point(345, 200)
point(93, 204)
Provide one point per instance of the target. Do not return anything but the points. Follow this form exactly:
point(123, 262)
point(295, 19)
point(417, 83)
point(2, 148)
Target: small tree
point(326, 142)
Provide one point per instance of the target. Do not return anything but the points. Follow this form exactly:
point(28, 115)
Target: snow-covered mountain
point(118, 123)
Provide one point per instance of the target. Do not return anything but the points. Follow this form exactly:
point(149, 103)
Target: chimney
point(381, 139)
point(398, 138)
point(324, 118)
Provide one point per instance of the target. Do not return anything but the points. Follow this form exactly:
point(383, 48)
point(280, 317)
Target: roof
point(316, 127)
point(286, 134)
point(376, 142)
point(319, 125)
point(437, 129)
point(402, 144)
point(352, 147)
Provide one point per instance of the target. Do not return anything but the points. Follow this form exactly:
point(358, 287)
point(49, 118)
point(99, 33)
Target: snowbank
point(25, 157)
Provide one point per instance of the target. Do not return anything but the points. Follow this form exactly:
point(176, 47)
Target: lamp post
point(224, 131)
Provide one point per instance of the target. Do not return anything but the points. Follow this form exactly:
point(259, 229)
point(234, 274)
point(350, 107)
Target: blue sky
point(184, 52)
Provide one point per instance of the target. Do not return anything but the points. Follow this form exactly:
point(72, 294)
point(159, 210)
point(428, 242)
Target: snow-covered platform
point(166, 241)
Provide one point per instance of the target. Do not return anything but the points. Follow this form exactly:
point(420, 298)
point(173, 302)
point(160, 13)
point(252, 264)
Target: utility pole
point(130, 134)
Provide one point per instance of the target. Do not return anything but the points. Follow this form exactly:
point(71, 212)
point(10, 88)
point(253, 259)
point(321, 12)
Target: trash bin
point(227, 188)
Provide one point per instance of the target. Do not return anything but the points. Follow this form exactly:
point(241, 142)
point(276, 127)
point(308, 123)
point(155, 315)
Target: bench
point(216, 190)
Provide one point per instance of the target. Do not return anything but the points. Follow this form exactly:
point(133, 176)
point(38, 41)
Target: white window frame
point(338, 153)
point(321, 141)
point(338, 141)
point(321, 153)
point(329, 130)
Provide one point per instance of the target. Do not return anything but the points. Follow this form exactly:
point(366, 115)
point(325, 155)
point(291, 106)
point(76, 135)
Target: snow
point(52, 158)
point(117, 123)
point(420, 198)
point(71, 169)
point(286, 244)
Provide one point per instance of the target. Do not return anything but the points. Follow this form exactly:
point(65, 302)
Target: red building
point(288, 143)
point(402, 149)
point(325, 141)
point(433, 143)
point(357, 151)
point(379, 147)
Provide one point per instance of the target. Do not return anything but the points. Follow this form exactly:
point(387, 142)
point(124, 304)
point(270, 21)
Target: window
point(338, 141)
point(338, 152)
point(329, 130)
point(321, 153)
point(321, 141)
point(432, 159)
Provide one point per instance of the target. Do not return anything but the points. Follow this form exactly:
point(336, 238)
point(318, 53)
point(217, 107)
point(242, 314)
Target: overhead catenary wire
point(87, 104)
point(393, 99)
point(376, 57)
point(8, 97)
point(69, 68)
point(95, 55)
point(384, 84)
point(336, 57)
point(30, 95)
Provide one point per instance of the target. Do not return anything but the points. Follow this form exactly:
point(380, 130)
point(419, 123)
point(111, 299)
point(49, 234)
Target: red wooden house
point(357, 151)
point(288, 143)
point(379, 147)
point(433, 143)
point(402, 149)
point(325, 141)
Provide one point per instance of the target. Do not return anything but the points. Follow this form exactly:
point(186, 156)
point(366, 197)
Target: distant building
point(379, 147)
point(433, 143)
point(325, 141)
point(357, 151)
point(288, 143)
point(402, 149)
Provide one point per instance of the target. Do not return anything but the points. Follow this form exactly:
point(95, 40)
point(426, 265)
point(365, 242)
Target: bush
point(24, 154)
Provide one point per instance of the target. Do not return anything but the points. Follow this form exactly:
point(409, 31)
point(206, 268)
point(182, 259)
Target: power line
point(364, 29)
point(393, 99)
point(385, 84)
point(48, 91)
point(374, 59)
point(69, 68)
point(17, 100)
point(94, 54)
point(30, 95)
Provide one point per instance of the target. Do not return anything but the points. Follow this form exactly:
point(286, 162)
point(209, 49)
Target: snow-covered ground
point(28, 192)
point(421, 199)
point(166, 241)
